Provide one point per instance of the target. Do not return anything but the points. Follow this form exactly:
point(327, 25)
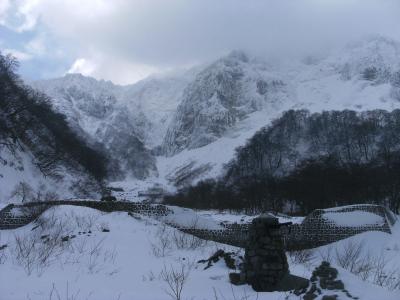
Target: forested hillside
point(30, 128)
point(304, 161)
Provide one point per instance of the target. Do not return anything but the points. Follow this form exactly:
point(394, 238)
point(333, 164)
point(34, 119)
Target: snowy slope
point(15, 169)
point(338, 81)
point(124, 263)
point(19, 167)
point(157, 98)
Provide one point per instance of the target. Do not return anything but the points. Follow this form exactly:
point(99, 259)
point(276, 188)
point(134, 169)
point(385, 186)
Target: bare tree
point(23, 191)
point(175, 278)
point(163, 243)
point(183, 240)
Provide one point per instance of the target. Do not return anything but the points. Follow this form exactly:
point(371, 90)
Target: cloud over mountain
point(153, 35)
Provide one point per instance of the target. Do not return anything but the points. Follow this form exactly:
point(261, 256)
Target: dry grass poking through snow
point(168, 239)
point(119, 257)
point(355, 257)
point(50, 242)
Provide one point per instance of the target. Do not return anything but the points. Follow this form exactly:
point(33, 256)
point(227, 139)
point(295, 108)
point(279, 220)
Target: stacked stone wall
point(32, 210)
point(314, 231)
point(232, 237)
point(8, 220)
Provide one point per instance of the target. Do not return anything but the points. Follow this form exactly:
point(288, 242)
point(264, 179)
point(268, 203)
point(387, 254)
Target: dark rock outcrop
point(324, 282)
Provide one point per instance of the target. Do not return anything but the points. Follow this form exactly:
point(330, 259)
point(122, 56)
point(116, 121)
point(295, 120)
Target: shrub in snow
point(104, 227)
point(187, 241)
point(162, 246)
point(303, 257)
point(175, 279)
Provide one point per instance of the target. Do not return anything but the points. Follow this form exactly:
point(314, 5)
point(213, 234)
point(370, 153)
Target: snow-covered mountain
point(194, 120)
point(362, 76)
point(222, 94)
point(128, 120)
point(375, 59)
point(156, 99)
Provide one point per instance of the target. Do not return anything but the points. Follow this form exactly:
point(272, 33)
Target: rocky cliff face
point(221, 95)
point(94, 111)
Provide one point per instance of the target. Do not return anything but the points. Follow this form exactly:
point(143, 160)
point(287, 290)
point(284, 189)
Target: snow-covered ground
point(127, 262)
point(19, 167)
point(226, 217)
point(354, 219)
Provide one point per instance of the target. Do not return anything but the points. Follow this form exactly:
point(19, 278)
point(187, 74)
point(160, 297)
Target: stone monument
point(265, 265)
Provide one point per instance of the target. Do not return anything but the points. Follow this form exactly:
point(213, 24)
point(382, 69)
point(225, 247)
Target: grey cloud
point(169, 33)
point(178, 32)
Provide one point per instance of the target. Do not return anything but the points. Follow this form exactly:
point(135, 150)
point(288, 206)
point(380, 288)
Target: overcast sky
point(126, 40)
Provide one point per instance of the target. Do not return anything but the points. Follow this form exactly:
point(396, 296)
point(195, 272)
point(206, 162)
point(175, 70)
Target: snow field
point(127, 262)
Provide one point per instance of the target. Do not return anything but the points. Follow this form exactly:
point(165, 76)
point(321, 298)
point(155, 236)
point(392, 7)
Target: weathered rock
point(329, 297)
point(235, 279)
point(227, 256)
point(325, 277)
point(309, 296)
point(292, 282)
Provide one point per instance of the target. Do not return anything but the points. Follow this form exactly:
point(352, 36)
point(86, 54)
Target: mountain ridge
point(231, 98)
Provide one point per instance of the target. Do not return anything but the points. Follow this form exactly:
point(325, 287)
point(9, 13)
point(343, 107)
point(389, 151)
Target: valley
point(114, 191)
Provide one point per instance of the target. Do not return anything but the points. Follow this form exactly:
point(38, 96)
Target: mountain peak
point(239, 55)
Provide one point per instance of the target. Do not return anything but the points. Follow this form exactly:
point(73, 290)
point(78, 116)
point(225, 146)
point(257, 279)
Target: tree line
point(304, 161)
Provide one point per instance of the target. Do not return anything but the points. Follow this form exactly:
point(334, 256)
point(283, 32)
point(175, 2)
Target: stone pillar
point(265, 263)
